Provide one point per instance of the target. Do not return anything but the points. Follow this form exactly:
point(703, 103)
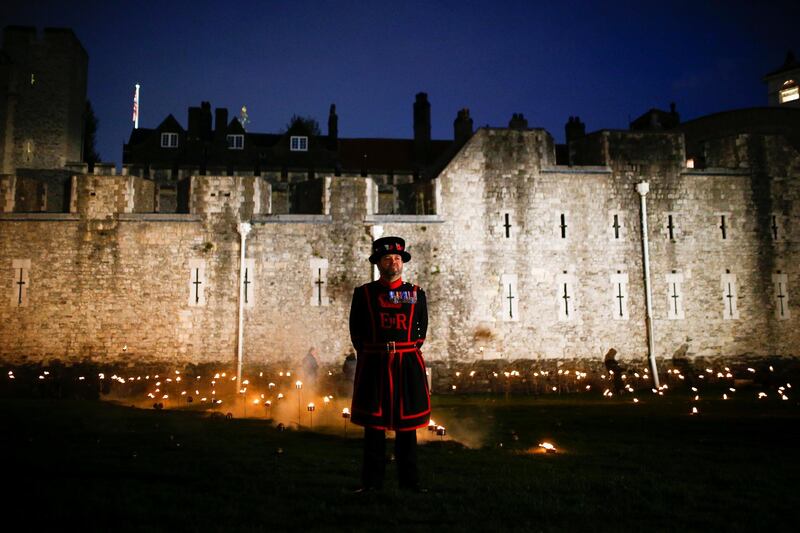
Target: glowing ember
point(547, 447)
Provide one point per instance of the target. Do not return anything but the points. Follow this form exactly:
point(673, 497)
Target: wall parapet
point(733, 172)
point(292, 219)
point(403, 219)
point(38, 217)
point(159, 217)
point(570, 169)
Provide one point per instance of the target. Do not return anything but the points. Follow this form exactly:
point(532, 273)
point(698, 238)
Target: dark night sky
point(607, 62)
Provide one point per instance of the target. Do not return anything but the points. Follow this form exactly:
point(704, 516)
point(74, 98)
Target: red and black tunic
point(388, 323)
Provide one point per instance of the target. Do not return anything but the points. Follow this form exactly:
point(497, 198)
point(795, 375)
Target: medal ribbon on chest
point(403, 297)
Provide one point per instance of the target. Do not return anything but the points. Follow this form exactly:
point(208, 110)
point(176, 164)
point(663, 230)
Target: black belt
point(390, 347)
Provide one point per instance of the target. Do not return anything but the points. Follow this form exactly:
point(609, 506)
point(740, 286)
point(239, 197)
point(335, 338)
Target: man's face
point(390, 266)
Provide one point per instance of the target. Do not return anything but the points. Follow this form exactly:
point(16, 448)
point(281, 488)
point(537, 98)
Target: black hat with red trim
point(389, 245)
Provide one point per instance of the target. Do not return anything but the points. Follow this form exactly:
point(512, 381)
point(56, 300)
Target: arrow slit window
point(249, 283)
point(565, 297)
point(781, 295)
point(197, 283)
point(730, 310)
point(318, 268)
point(21, 282)
point(675, 296)
point(619, 293)
point(509, 298)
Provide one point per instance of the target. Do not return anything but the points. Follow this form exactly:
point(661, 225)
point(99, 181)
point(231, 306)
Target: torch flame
point(547, 447)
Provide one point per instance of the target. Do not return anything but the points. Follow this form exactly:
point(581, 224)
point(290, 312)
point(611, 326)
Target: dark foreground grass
point(649, 466)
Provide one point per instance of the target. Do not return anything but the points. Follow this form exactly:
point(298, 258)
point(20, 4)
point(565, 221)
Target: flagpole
point(136, 108)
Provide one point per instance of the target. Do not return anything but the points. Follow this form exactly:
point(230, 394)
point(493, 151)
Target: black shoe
point(366, 489)
point(414, 488)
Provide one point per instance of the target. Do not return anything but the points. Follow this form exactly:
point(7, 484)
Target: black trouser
point(405, 453)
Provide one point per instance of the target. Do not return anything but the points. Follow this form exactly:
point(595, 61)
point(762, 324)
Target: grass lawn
point(621, 466)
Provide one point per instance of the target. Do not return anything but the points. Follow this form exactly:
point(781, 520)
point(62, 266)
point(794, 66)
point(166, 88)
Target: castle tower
point(42, 98)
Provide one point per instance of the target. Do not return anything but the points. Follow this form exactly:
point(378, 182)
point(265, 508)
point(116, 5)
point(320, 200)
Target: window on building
point(789, 92)
point(236, 142)
point(169, 140)
point(298, 143)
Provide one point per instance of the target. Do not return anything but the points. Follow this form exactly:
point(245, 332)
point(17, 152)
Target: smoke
point(284, 403)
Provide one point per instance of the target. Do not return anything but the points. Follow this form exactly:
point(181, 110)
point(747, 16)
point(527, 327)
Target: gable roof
point(170, 124)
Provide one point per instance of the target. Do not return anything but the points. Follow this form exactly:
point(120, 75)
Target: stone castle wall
point(114, 282)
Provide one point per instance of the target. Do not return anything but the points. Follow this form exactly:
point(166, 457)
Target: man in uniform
point(388, 322)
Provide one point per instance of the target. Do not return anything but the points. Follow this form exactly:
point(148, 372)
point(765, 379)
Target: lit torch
point(547, 447)
point(311, 408)
point(346, 416)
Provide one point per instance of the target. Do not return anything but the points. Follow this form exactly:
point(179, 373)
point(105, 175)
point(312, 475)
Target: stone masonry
point(523, 259)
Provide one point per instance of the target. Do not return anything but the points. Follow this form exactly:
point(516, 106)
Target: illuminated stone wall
point(113, 282)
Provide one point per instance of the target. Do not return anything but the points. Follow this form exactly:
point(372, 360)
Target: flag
point(136, 107)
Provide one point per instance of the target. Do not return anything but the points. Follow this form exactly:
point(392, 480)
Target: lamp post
point(244, 229)
point(643, 188)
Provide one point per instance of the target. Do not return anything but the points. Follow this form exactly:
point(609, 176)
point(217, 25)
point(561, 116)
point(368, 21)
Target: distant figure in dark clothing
point(349, 368)
point(311, 367)
point(614, 368)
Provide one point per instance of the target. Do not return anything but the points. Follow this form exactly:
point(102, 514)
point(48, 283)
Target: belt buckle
point(390, 346)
